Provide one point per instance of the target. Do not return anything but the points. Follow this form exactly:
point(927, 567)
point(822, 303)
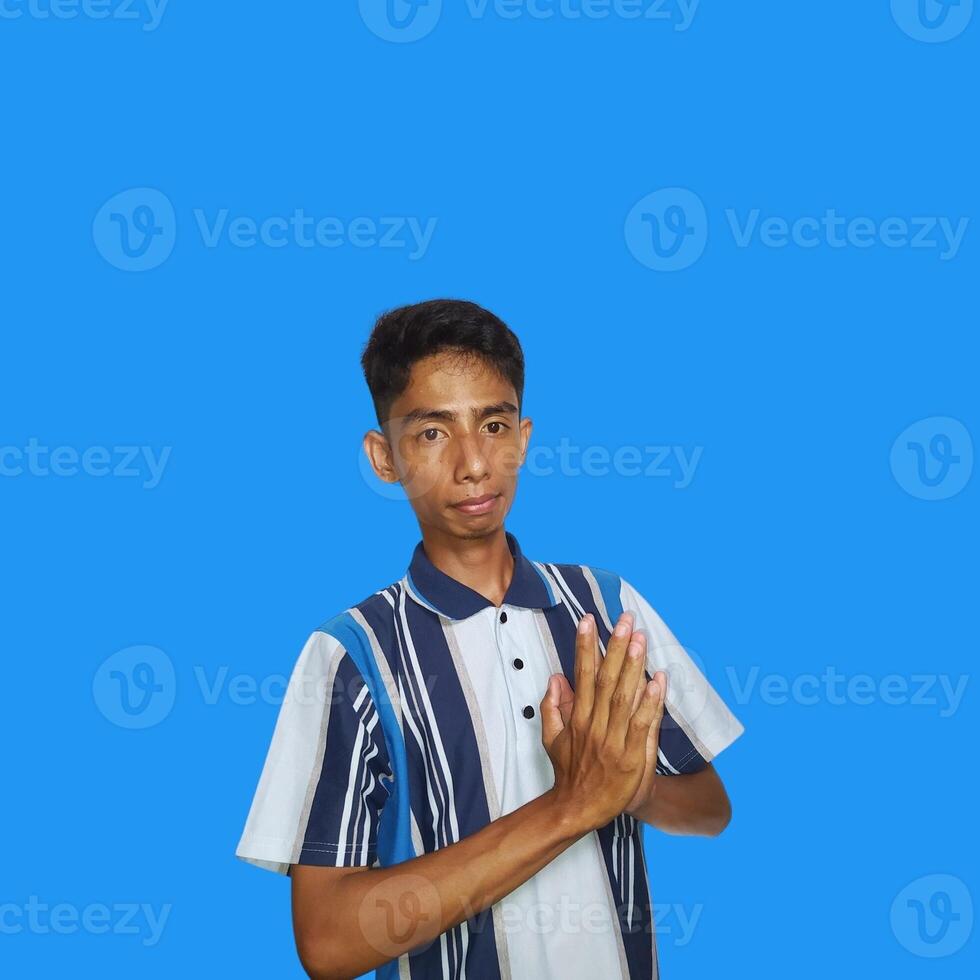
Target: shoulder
point(373, 609)
point(355, 642)
point(586, 587)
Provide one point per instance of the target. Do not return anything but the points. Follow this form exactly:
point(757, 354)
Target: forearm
point(381, 913)
point(694, 804)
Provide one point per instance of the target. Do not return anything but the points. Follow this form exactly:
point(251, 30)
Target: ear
point(525, 428)
point(378, 451)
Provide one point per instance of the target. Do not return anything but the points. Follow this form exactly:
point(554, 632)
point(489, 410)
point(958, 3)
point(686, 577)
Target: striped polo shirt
point(412, 720)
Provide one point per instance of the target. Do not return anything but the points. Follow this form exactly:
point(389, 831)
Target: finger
point(585, 641)
point(608, 676)
point(647, 717)
point(621, 707)
point(551, 720)
point(566, 698)
point(638, 693)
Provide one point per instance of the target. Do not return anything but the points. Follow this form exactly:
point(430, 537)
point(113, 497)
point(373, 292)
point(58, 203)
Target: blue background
point(794, 547)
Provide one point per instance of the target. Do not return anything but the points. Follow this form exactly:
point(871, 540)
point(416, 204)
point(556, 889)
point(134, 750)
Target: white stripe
point(629, 890)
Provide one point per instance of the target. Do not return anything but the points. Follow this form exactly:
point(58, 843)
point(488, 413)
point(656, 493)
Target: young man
point(462, 764)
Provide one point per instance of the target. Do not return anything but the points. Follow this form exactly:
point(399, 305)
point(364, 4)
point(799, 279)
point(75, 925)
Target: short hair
point(407, 334)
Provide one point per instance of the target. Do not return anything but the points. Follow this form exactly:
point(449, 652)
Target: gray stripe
point(597, 596)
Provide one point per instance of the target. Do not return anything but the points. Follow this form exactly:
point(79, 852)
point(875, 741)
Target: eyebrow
point(444, 415)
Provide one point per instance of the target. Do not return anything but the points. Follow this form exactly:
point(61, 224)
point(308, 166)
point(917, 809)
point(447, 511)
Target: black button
point(528, 711)
point(503, 617)
point(519, 664)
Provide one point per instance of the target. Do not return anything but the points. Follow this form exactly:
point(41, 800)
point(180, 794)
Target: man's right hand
point(596, 739)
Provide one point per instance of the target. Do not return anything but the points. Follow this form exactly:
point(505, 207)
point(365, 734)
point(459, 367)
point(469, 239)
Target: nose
point(472, 462)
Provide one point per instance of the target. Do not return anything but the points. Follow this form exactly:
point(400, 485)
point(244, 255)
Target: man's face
point(454, 436)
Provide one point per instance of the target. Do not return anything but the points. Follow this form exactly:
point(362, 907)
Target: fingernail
point(622, 628)
point(634, 649)
point(585, 624)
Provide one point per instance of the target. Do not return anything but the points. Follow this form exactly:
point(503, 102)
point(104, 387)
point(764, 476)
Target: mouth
point(477, 505)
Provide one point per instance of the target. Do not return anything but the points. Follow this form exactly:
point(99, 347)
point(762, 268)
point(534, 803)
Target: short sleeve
point(697, 724)
point(327, 772)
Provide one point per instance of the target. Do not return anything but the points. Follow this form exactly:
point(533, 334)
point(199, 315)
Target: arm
point(349, 920)
point(694, 803)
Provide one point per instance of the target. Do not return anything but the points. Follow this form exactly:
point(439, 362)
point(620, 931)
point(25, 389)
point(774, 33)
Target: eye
point(501, 426)
point(430, 435)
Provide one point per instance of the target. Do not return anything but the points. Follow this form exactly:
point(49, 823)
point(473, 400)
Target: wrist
point(567, 815)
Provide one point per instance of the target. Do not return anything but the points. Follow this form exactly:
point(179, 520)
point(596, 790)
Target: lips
point(477, 505)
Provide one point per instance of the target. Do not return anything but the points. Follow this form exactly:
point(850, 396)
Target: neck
point(483, 564)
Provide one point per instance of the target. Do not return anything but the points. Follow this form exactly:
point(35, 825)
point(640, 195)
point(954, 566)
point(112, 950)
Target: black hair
point(405, 335)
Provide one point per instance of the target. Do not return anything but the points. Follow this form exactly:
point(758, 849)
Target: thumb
point(551, 723)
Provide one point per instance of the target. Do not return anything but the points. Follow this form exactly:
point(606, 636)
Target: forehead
point(452, 381)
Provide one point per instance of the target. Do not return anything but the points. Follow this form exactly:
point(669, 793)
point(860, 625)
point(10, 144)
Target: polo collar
point(440, 592)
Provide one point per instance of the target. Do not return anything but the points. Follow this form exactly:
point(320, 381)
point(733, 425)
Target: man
point(464, 795)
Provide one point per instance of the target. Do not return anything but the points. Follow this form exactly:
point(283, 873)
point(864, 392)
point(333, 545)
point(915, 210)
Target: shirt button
point(503, 617)
point(519, 664)
point(528, 711)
